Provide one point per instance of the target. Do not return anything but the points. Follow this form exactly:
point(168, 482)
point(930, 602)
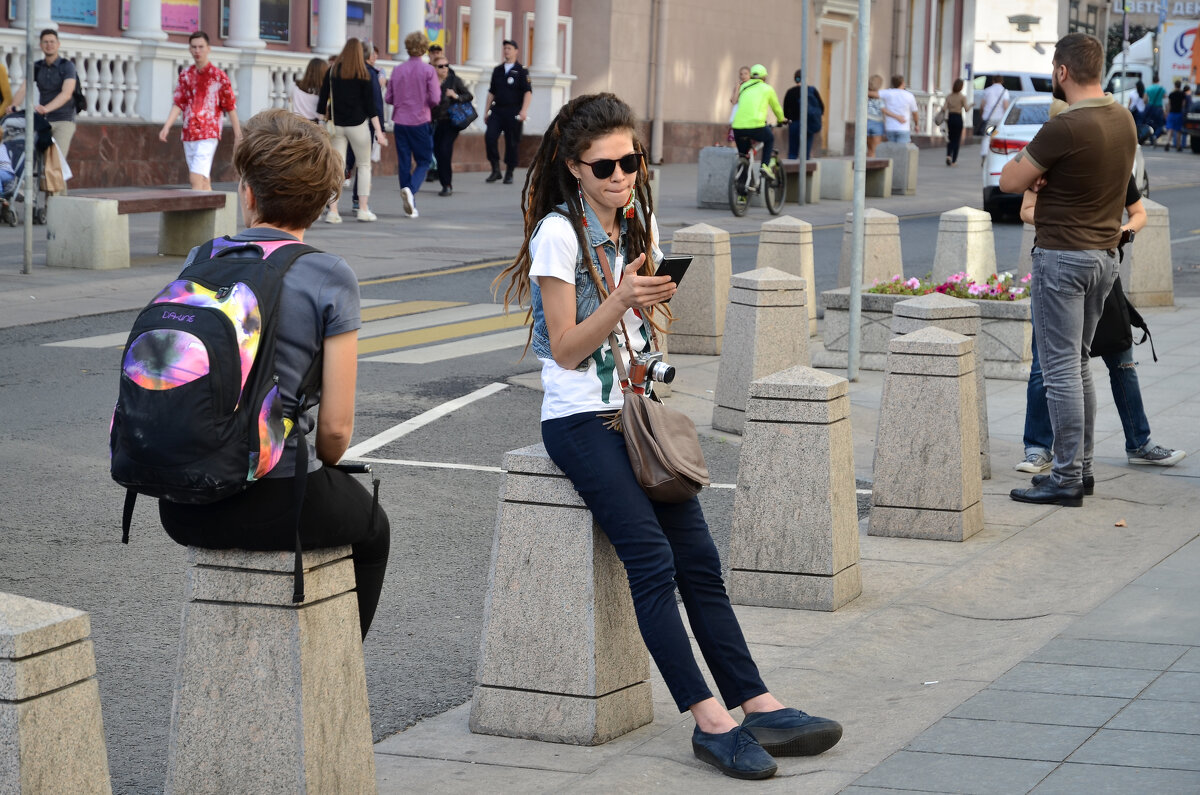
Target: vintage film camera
point(647, 368)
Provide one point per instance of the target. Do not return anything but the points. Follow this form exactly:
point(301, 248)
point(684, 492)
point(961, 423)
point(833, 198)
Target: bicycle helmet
point(758, 70)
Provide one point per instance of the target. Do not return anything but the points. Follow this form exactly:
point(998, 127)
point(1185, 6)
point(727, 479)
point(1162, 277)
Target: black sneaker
point(446, 191)
point(494, 176)
point(1157, 456)
point(735, 753)
point(790, 732)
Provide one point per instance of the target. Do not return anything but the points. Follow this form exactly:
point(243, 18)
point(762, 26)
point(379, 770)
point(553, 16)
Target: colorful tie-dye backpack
point(199, 416)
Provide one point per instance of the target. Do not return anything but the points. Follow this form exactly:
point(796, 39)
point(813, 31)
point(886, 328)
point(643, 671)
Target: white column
point(145, 20)
point(483, 51)
point(331, 27)
point(244, 26)
point(411, 17)
point(41, 16)
point(545, 37)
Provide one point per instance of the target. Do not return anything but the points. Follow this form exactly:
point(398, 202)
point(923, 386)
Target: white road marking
point(1189, 239)
point(438, 317)
point(421, 420)
point(115, 340)
point(453, 350)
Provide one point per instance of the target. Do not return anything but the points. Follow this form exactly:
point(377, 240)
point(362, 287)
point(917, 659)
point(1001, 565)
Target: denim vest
point(587, 297)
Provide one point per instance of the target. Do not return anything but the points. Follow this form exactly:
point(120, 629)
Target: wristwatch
point(1127, 236)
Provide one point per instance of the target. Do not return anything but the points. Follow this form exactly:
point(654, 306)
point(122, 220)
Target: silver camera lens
point(660, 371)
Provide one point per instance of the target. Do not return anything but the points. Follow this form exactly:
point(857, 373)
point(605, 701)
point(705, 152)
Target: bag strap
point(626, 384)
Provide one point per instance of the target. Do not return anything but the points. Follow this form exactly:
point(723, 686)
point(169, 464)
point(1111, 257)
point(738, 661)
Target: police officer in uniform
point(508, 101)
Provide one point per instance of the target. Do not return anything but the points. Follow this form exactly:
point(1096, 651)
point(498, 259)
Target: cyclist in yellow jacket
point(750, 120)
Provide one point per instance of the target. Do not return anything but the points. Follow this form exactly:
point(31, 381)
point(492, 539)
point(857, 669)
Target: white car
point(1011, 135)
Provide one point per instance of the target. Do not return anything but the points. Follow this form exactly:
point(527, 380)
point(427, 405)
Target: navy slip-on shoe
point(790, 732)
point(735, 753)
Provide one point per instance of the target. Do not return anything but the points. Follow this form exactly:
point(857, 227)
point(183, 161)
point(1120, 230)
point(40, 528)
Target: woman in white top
point(304, 91)
point(586, 202)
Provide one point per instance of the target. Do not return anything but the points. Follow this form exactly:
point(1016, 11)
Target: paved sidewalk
point(1055, 650)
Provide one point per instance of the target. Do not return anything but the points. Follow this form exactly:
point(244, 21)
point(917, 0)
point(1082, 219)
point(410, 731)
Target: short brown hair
point(416, 43)
point(897, 81)
point(1083, 55)
point(199, 34)
point(290, 166)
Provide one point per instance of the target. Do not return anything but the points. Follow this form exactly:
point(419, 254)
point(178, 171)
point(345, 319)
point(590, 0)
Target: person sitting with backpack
point(287, 173)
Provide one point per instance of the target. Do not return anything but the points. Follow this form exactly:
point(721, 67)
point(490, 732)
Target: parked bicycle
point(747, 179)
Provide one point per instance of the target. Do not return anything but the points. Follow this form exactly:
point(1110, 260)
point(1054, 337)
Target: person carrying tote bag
point(348, 101)
point(587, 188)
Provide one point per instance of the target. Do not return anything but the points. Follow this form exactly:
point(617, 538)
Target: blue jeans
point(1069, 288)
point(1127, 395)
point(899, 136)
point(6, 178)
point(663, 545)
point(794, 141)
point(413, 143)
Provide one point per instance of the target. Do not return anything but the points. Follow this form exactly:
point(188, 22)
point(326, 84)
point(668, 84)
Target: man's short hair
point(290, 167)
point(1178, 84)
point(416, 43)
point(897, 81)
point(798, 74)
point(435, 47)
point(1083, 55)
point(199, 34)
point(512, 43)
point(997, 79)
point(48, 32)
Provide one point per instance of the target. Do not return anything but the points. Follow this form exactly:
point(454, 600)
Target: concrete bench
point(837, 177)
point(51, 733)
point(561, 658)
point(812, 181)
point(91, 229)
point(270, 695)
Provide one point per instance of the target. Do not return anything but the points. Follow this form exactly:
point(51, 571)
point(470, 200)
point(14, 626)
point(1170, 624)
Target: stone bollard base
point(561, 658)
point(51, 733)
point(797, 591)
point(926, 523)
point(270, 696)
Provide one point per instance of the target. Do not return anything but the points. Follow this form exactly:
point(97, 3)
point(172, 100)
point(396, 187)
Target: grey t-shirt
point(320, 299)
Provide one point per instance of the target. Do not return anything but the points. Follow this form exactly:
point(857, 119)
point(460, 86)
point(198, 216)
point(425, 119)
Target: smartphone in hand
point(674, 266)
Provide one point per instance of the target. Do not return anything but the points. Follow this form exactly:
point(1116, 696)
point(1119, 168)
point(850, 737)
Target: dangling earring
point(582, 204)
point(629, 211)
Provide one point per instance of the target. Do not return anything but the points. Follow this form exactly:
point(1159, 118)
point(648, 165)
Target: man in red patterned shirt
point(203, 92)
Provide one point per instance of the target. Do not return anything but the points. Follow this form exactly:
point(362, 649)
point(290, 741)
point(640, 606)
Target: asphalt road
point(60, 528)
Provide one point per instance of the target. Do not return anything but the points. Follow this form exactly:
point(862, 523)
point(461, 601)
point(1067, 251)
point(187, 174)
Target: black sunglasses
point(603, 169)
point(443, 66)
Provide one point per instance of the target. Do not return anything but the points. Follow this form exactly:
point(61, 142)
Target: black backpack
point(199, 416)
point(1114, 330)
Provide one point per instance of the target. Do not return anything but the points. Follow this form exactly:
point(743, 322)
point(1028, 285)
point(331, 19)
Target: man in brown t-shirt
point(1079, 162)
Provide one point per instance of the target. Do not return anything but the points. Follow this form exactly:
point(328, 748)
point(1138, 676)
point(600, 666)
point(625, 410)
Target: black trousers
point(444, 136)
point(503, 120)
point(954, 129)
point(337, 511)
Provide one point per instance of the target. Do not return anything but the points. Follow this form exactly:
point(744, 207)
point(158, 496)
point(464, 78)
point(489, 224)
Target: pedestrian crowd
point(1155, 111)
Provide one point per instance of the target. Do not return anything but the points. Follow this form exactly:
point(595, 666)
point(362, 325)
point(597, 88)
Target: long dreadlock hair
point(549, 184)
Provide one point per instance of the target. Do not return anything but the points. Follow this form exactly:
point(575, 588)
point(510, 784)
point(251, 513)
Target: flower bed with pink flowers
point(998, 287)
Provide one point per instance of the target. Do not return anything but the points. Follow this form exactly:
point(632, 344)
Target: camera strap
point(626, 384)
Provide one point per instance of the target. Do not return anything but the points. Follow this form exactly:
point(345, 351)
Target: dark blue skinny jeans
point(413, 143)
point(663, 545)
point(1127, 395)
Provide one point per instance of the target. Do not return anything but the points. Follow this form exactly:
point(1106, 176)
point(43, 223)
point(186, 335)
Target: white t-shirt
point(899, 101)
point(554, 250)
point(994, 103)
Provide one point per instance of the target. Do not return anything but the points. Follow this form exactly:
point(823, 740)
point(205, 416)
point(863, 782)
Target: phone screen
point(674, 266)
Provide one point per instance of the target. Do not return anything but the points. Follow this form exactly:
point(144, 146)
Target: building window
point(1086, 23)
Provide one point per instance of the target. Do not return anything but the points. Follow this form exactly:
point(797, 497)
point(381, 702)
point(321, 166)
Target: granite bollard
point(964, 244)
point(699, 304)
point(51, 731)
point(765, 329)
point(1147, 273)
point(905, 158)
point(561, 659)
point(961, 317)
point(270, 695)
point(926, 473)
point(786, 244)
point(794, 541)
point(712, 178)
point(881, 247)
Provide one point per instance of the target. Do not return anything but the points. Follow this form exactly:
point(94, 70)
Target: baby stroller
point(28, 170)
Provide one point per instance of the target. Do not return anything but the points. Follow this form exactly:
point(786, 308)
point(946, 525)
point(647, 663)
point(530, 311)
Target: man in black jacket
point(507, 104)
point(791, 109)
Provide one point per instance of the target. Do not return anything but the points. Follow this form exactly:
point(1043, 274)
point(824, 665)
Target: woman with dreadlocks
point(588, 215)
